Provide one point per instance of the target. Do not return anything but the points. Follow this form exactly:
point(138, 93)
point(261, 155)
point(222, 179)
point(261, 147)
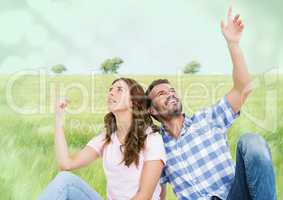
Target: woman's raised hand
point(60, 104)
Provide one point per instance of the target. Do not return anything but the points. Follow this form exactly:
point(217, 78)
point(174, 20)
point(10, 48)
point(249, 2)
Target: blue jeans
point(68, 186)
point(254, 176)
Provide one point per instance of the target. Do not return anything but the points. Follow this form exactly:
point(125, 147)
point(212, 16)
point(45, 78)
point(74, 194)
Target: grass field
point(27, 151)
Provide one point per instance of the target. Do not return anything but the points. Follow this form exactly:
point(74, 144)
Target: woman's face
point(119, 98)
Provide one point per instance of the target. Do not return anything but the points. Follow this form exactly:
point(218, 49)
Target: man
point(199, 163)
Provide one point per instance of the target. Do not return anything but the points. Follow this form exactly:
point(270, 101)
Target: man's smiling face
point(165, 102)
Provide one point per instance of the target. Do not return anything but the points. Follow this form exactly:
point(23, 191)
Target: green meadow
point(27, 149)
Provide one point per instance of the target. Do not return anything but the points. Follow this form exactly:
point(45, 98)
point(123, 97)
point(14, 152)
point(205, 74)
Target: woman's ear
point(131, 104)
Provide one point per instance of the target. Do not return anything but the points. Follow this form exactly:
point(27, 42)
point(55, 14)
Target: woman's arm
point(64, 160)
point(149, 179)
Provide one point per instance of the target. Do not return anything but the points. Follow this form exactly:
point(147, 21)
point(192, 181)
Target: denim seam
point(61, 191)
point(244, 152)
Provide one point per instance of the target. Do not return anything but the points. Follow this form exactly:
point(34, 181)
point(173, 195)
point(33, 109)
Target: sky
point(152, 37)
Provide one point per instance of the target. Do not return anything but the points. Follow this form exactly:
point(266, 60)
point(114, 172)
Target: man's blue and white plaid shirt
point(199, 163)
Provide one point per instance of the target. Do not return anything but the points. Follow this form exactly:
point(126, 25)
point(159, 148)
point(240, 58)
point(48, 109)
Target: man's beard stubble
point(169, 114)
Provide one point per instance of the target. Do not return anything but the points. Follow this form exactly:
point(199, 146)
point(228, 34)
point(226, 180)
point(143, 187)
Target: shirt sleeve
point(164, 178)
point(220, 114)
point(97, 143)
point(154, 148)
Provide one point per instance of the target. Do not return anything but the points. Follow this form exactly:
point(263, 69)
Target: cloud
point(151, 36)
point(12, 62)
point(37, 36)
point(14, 25)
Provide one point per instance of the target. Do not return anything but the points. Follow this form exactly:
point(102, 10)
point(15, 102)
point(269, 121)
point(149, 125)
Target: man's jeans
point(254, 177)
point(68, 186)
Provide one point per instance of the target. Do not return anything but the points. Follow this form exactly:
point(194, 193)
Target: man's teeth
point(173, 100)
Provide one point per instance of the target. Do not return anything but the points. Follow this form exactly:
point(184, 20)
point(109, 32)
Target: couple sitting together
point(190, 152)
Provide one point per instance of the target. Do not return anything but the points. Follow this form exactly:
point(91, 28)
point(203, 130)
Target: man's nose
point(111, 93)
point(172, 93)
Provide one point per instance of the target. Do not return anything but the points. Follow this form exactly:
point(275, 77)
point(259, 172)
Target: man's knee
point(253, 146)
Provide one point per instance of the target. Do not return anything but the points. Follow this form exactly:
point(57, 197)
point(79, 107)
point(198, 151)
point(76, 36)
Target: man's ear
point(152, 111)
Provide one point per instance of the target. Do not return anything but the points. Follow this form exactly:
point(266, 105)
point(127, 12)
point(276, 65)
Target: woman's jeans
point(68, 186)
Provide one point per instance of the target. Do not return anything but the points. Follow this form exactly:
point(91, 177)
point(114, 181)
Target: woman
point(131, 149)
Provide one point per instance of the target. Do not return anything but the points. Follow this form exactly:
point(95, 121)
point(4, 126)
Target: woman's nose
point(111, 93)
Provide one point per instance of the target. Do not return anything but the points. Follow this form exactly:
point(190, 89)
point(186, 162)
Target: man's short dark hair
point(151, 86)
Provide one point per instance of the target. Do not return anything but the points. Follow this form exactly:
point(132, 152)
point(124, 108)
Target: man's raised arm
point(232, 31)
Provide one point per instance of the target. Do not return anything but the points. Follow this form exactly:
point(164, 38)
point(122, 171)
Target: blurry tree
point(58, 69)
point(111, 65)
point(192, 68)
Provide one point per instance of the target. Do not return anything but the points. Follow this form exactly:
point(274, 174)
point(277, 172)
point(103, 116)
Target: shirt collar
point(186, 123)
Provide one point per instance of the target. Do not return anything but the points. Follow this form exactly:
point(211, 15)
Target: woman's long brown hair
point(141, 120)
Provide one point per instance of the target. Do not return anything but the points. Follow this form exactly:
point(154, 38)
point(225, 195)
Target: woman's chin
point(117, 110)
point(110, 108)
point(113, 109)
